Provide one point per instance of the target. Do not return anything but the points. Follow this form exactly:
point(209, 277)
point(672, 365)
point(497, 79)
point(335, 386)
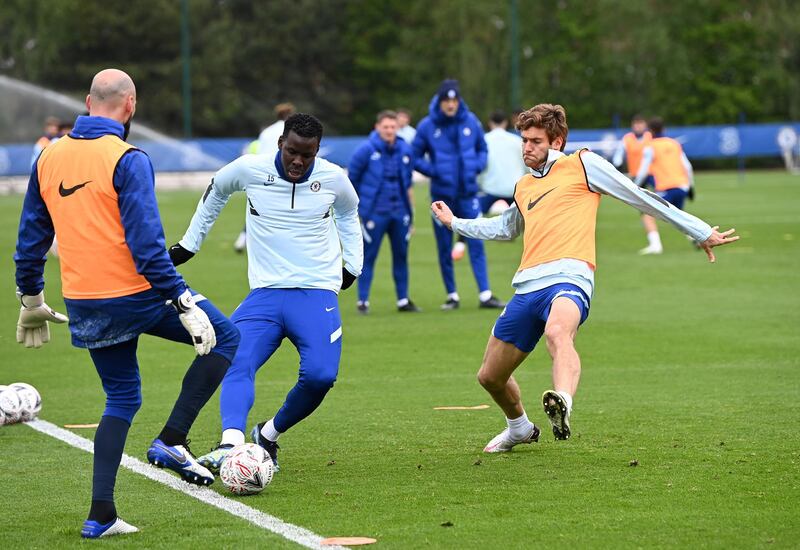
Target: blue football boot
point(94, 530)
point(180, 460)
point(270, 446)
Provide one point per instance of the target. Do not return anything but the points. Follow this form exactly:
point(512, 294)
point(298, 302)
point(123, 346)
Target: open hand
point(717, 239)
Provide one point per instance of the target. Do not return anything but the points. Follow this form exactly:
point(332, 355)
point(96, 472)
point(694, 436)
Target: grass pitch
point(690, 371)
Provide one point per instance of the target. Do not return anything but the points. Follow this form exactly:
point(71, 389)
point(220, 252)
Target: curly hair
point(550, 118)
point(303, 125)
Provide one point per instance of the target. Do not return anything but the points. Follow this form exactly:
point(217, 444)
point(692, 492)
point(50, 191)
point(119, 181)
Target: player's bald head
point(111, 86)
point(112, 95)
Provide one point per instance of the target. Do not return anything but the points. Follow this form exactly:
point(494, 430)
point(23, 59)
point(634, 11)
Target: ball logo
point(375, 156)
point(406, 159)
point(467, 132)
point(437, 133)
point(315, 186)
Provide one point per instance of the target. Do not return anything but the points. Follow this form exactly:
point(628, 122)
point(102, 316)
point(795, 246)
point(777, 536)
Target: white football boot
point(502, 442)
point(95, 530)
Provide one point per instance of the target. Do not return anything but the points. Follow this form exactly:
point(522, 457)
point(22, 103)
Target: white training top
point(602, 178)
point(293, 229)
point(504, 165)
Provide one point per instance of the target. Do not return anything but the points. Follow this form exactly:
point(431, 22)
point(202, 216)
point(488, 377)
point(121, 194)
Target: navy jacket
point(456, 151)
point(372, 160)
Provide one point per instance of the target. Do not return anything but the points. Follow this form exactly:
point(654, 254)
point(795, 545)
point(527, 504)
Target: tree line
point(692, 62)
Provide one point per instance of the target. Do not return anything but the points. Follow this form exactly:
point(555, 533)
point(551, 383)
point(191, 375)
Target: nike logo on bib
point(67, 191)
point(531, 204)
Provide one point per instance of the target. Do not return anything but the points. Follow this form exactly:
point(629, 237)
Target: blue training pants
point(398, 227)
point(466, 208)
point(119, 370)
point(310, 319)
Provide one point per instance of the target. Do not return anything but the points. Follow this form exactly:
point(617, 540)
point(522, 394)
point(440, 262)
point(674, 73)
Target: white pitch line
point(301, 536)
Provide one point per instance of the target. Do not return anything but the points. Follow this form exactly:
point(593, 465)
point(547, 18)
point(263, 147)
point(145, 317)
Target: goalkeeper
point(96, 192)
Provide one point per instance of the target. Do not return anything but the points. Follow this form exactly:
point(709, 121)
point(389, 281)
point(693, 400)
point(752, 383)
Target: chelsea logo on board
point(315, 186)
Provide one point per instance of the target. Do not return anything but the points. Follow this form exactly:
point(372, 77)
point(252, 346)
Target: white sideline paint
point(301, 536)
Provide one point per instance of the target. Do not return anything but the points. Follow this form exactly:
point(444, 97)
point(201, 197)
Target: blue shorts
point(524, 318)
point(675, 196)
point(105, 322)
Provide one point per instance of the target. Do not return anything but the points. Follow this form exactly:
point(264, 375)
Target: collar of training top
point(88, 127)
point(282, 174)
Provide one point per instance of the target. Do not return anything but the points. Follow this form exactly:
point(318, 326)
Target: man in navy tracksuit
point(452, 138)
point(380, 170)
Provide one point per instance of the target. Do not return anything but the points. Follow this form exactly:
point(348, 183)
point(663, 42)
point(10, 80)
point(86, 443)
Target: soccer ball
point(30, 398)
point(11, 404)
point(246, 470)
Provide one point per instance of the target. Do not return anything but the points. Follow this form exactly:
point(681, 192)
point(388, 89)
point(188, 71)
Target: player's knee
point(124, 407)
point(557, 336)
point(319, 380)
point(489, 380)
point(228, 339)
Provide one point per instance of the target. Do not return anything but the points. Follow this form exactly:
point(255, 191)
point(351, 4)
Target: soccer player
point(555, 210)
point(380, 170)
point(452, 138)
point(96, 192)
point(672, 175)
point(299, 210)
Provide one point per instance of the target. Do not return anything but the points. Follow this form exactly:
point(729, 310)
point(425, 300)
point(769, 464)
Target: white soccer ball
point(30, 398)
point(11, 405)
point(246, 470)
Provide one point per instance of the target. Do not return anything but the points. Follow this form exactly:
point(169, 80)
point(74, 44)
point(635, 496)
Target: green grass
point(689, 368)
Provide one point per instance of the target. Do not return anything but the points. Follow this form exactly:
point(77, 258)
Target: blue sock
point(109, 442)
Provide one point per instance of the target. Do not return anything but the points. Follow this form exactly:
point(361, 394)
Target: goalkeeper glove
point(32, 327)
point(179, 255)
point(347, 279)
point(196, 323)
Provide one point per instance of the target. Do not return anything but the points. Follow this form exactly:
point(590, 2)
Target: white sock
point(654, 239)
point(269, 431)
point(519, 428)
point(454, 296)
point(485, 295)
point(567, 399)
point(232, 437)
point(402, 302)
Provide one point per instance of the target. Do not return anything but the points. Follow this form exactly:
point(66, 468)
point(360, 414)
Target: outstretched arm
point(229, 179)
point(604, 178)
point(499, 228)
